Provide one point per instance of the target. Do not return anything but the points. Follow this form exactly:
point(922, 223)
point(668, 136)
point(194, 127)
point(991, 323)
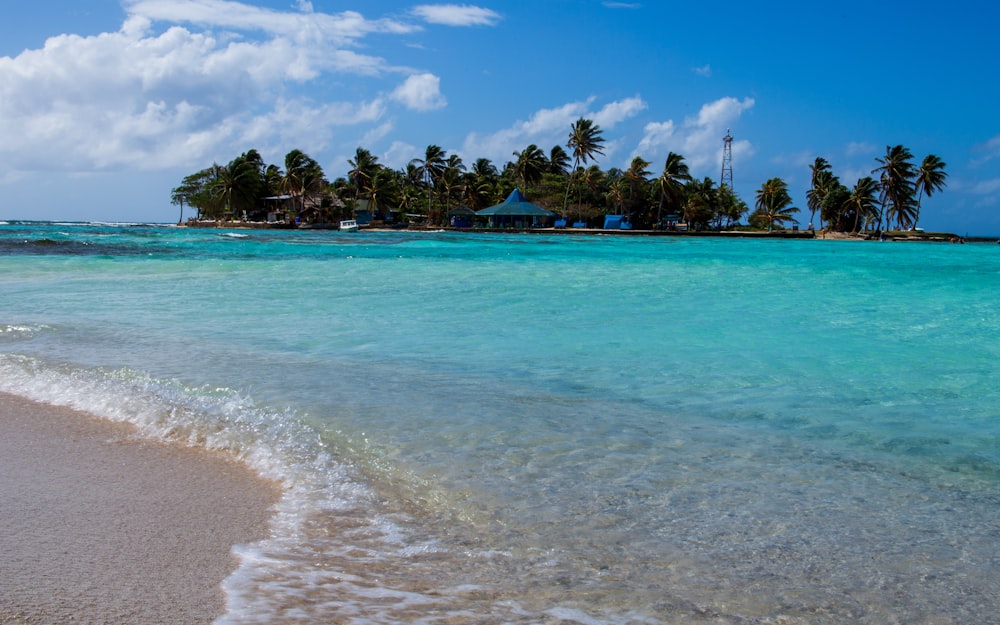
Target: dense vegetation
point(432, 185)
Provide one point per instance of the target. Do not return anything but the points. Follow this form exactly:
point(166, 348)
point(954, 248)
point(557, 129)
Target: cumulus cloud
point(337, 29)
point(699, 138)
point(617, 112)
point(656, 138)
point(183, 81)
point(549, 127)
point(703, 133)
point(399, 154)
point(421, 92)
point(456, 15)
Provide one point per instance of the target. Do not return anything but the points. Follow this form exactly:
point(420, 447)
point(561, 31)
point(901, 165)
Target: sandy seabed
point(98, 526)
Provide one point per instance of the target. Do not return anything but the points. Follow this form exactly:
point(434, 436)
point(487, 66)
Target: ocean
point(536, 428)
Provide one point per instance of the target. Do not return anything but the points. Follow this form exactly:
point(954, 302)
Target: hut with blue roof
point(517, 212)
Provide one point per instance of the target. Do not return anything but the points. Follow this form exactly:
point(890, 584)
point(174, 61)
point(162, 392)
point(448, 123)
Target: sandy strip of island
point(99, 526)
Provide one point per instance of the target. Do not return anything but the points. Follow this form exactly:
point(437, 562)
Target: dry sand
point(97, 526)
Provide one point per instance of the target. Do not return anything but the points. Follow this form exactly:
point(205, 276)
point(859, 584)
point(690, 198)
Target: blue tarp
point(616, 222)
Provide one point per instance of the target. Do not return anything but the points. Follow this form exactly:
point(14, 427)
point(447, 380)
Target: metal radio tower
point(727, 161)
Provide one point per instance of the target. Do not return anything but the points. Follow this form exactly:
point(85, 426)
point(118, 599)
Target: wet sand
point(97, 526)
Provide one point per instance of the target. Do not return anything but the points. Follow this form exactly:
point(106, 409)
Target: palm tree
point(272, 180)
point(616, 195)
point(930, 178)
point(593, 178)
point(481, 184)
point(303, 177)
point(702, 202)
point(384, 182)
point(896, 175)
point(675, 174)
point(558, 161)
point(451, 178)
point(821, 181)
point(731, 208)
point(530, 165)
point(774, 204)
point(637, 175)
point(430, 169)
point(364, 166)
point(239, 185)
point(585, 141)
point(863, 202)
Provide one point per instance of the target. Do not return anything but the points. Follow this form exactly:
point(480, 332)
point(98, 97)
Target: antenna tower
point(727, 160)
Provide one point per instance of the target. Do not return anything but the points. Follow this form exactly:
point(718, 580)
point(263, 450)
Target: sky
point(106, 105)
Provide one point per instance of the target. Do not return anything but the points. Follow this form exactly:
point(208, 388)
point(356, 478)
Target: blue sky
point(106, 105)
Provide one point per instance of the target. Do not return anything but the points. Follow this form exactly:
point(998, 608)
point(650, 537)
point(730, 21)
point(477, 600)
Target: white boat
point(349, 225)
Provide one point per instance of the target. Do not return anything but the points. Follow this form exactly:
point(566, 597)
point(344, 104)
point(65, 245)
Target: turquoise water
point(551, 428)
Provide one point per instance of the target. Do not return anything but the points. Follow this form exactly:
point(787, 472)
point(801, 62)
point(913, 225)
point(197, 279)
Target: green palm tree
point(822, 180)
point(529, 166)
point(384, 184)
point(239, 185)
point(272, 180)
point(637, 176)
point(558, 161)
point(364, 166)
point(702, 203)
point(585, 140)
point(930, 178)
point(593, 179)
point(896, 176)
point(616, 194)
point(451, 179)
point(774, 204)
point(303, 177)
point(675, 174)
point(863, 202)
point(481, 183)
point(731, 208)
point(430, 168)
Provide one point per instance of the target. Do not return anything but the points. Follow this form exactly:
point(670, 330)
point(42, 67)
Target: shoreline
point(893, 236)
point(101, 526)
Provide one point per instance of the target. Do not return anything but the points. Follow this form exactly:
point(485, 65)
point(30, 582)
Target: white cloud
point(327, 29)
point(456, 15)
point(703, 133)
point(704, 70)
point(618, 111)
point(420, 92)
point(655, 139)
point(550, 127)
point(189, 81)
point(699, 138)
point(399, 154)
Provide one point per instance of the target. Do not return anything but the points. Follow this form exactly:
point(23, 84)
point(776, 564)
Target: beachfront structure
point(726, 180)
point(517, 212)
point(461, 217)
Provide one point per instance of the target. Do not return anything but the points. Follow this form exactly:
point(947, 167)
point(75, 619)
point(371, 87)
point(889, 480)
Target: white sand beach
point(98, 526)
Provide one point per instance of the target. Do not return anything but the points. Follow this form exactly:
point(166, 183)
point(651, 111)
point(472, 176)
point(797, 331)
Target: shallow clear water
point(551, 428)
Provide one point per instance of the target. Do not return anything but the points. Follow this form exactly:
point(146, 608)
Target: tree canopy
point(564, 179)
